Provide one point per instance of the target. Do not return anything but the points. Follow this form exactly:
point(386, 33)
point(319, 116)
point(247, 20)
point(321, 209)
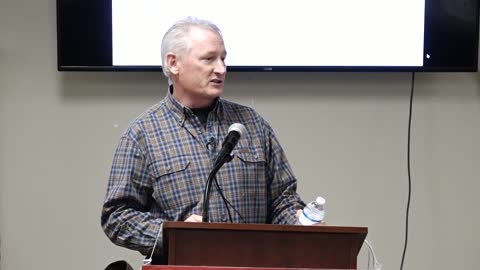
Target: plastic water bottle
point(313, 212)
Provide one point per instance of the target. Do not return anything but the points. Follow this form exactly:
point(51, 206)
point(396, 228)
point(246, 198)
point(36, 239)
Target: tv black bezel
point(85, 26)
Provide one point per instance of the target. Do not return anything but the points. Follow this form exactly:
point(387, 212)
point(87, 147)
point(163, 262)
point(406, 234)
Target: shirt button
point(168, 168)
point(256, 156)
point(224, 217)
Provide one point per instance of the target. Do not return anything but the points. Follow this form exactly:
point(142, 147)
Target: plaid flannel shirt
point(164, 158)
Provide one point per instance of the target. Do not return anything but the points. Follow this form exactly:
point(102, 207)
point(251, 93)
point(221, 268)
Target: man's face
point(199, 75)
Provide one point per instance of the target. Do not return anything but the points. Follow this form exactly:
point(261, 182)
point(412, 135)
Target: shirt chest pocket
point(250, 155)
point(252, 173)
point(248, 190)
point(251, 158)
point(174, 186)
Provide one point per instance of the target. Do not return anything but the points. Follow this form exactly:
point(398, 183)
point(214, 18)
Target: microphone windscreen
point(238, 128)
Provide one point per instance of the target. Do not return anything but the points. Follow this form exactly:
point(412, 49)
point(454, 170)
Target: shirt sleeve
point(125, 218)
point(283, 199)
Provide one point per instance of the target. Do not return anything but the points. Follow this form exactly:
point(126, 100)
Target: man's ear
point(172, 63)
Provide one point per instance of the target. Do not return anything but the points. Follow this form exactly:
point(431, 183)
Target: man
point(165, 156)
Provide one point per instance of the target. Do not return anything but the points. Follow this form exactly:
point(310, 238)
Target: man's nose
point(220, 67)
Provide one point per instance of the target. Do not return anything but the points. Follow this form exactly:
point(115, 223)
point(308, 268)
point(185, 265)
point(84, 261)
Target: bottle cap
point(320, 200)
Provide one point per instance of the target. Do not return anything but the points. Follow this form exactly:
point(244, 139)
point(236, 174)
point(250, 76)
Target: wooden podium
point(218, 246)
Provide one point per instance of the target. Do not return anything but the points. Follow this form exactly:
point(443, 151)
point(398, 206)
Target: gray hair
point(177, 38)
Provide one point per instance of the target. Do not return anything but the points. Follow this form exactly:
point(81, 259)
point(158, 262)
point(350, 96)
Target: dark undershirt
point(202, 114)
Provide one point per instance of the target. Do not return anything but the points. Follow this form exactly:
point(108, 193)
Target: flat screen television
point(276, 35)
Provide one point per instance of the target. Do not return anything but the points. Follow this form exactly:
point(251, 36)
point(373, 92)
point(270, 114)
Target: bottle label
point(307, 220)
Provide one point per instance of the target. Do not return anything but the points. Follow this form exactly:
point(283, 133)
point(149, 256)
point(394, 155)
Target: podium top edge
point(263, 227)
point(188, 267)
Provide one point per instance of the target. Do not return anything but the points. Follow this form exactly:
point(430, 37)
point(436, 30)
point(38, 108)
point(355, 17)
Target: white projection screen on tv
point(276, 35)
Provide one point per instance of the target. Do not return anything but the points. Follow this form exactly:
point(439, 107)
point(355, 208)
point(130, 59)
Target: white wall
point(345, 135)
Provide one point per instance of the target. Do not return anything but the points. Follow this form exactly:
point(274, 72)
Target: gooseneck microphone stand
point(208, 186)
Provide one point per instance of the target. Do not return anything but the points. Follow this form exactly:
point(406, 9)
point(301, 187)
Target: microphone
point(211, 143)
point(235, 132)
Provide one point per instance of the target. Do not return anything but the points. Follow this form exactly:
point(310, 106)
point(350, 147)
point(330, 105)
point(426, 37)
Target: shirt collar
point(182, 113)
